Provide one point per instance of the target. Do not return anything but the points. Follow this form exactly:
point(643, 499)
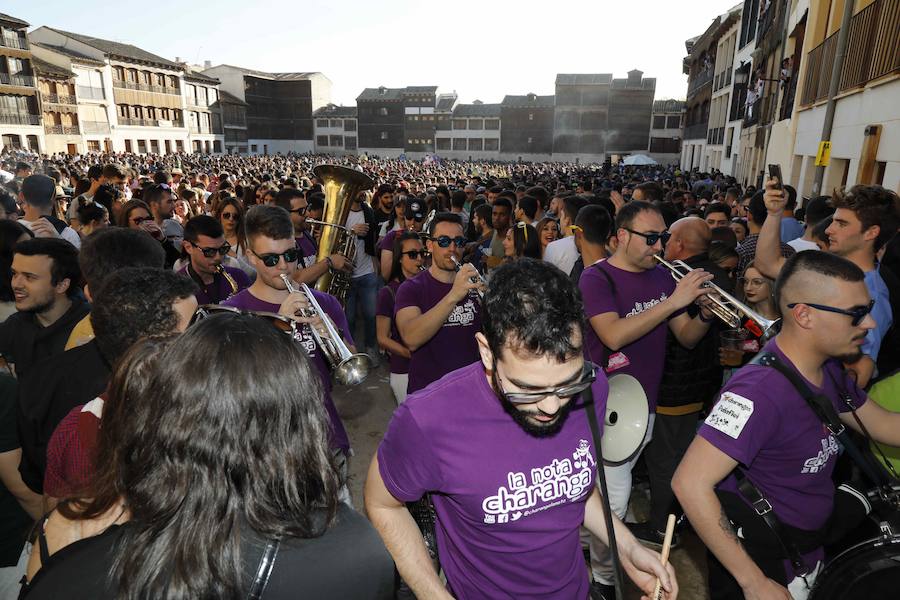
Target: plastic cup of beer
point(731, 341)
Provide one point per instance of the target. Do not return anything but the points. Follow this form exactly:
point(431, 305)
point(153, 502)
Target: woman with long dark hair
point(230, 213)
point(521, 240)
point(219, 480)
point(408, 257)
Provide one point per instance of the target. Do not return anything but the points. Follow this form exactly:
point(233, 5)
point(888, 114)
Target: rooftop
point(381, 93)
point(529, 100)
point(230, 98)
point(8, 19)
point(120, 50)
point(477, 110)
point(72, 54)
point(293, 76)
point(583, 78)
point(200, 77)
point(446, 101)
point(331, 110)
point(667, 106)
point(50, 70)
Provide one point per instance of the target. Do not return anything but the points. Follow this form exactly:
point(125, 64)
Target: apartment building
point(336, 130)
point(473, 133)
point(665, 131)
point(20, 115)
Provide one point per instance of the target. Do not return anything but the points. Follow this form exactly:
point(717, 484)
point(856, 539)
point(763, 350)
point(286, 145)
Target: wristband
point(330, 262)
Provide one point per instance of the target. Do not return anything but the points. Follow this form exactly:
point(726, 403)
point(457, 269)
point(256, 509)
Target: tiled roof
point(477, 110)
point(667, 106)
point(72, 54)
point(126, 51)
point(44, 68)
point(9, 19)
point(294, 76)
point(529, 100)
point(583, 79)
point(336, 111)
point(200, 77)
point(381, 93)
point(445, 103)
point(230, 98)
point(420, 89)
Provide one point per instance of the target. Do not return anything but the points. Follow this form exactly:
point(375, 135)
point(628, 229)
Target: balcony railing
point(13, 118)
point(699, 81)
point(59, 99)
point(13, 42)
point(871, 52)
point(20, 80)
point(145, 87)
point(696, 131)
point(95, 127)
point(61, 129)
point(137, 122)
point(90, 93)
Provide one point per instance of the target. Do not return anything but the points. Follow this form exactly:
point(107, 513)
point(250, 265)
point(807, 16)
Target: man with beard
point(761, 430)
point(505, 449)
point(161, 200)
point(45, 280)
point(204, 242)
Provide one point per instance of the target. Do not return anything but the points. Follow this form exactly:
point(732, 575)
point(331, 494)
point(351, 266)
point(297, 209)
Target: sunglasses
point(588, 376)
point(652, 238)
point(300, 211)
point(414, 254)
point(444, 241)
point(271, 260)
point(139, 220)
point(856, 314)
point(229, 216)
point(211, 252)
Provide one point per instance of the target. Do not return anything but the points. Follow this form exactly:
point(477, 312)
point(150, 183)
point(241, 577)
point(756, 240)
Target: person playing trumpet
point(273, 252)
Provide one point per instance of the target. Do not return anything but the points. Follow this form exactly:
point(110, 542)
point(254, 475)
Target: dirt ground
point(366, 411)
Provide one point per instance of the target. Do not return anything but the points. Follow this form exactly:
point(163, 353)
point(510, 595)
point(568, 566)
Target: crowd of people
point(161, 436)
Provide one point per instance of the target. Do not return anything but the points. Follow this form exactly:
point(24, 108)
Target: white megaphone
point(627, 416)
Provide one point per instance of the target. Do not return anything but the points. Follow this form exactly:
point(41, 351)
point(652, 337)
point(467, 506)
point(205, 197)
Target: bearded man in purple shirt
point(762, 427)
point(505, 449)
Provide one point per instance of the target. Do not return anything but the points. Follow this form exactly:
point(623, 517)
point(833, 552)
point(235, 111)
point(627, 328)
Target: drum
point(868, 570)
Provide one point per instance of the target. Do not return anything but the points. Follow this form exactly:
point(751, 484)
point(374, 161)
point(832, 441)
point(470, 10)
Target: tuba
point(341, 185)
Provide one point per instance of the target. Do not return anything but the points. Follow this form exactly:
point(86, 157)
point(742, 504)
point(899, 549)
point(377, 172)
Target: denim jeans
point(363, 292)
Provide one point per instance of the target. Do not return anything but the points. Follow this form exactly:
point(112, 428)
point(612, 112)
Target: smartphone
point(775, 173)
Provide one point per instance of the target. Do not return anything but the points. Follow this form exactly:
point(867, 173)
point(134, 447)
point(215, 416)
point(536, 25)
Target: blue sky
point(480, 49)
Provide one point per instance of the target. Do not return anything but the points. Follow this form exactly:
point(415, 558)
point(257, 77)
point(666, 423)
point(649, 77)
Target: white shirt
point(800, 245)
point(362, 263)
point(562, 253)
point(68, 234)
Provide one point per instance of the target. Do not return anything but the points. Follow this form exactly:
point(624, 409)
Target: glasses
point(300, 211)
point(755, 282)
point(587, 378)
point(270, 260)
point(444, 241)
point(139, 220)
point(856, 314)
point(652, 237)
point(229, 216)
point(211, 252)
point(414, 254)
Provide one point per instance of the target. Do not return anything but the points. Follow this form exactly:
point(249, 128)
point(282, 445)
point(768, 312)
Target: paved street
point(366, 411)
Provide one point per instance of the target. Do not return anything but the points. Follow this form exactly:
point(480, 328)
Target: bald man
point(691, 378)
point(762, 427)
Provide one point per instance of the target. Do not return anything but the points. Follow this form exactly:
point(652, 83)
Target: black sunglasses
point(211, 252)
point(270, 260)
point(444, 241)
point(652, 238)
point(857, 313)
point(229, 216)
point(588, 376)
point(139, 220)
point(414, 254)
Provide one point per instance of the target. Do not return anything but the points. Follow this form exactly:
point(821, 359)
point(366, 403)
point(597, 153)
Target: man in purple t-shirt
point(505, 449)
point(272, 252)
point(204, 242)
point(762, 426)
point(438, 312)
point(629, 300)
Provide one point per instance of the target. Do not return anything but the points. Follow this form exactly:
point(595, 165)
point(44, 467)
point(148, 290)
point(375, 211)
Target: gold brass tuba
point(341, 185)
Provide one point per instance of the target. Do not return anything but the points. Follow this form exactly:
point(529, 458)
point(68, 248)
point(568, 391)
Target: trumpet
point(349, 368)
point(726, 307)
point(477, 278)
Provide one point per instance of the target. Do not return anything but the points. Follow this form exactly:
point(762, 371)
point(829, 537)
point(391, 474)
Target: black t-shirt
point(14, 521)
point(348, 562)
point(23, 341)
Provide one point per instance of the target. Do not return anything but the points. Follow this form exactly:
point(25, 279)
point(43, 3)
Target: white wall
point(279, 146)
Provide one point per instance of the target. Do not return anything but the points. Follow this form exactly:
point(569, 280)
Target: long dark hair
point(239, 226)
point(396, 269)
point(230, 431)
point(525, 240)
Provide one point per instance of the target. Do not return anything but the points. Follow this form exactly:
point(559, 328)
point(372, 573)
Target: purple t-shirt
point(454, 345)
point(384, 307)
point(219, 289)
point(761, 422)
point(308, 248)
point(509, 505)
point(247, 301)
point(387, 242)
point(634, 293)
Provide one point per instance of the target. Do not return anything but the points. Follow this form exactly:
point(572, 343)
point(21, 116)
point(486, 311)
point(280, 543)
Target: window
point(253, 148)
point(476, 144)
point(119, 73)
point(336, 141)
point(443, 143)
point(383, 112)
point(94, 145)
point(530, 140)
point(128, 147)
point(133, 75)
point(151, 112)
point(492, 144)
point(673, 122)
point(321, 122)
point(384, 135)
point(179, 146)
point(190, 92)
point(459, 124)
point(142, 147)
point(154, 146)
point(350, 143)
point(476, 124)
point(349, 125)
point(123, 111)
point(145, 77)
point(321, 140)
point(659, 122)
point(217, 146)
point(160, 79)
point(336, 123)
point(530, 118)
point(459, 143)
point(492, 124)
point(173, 83)
point(165, 114)
point(138, 112)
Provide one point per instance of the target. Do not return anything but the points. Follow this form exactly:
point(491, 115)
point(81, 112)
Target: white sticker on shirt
point(730, 414)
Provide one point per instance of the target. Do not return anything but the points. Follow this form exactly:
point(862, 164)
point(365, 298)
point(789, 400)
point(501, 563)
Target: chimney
point(207, 64)
point(178, 59)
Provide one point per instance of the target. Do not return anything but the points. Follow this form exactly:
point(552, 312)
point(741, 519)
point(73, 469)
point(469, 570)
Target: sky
point(482, 50)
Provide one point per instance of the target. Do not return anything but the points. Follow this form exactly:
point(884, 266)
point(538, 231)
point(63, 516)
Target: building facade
point(473, 134)
point(203, 113)
point(234, 122)
point(336, 130)
point(419, 124)
point(20, 115)
point(59, 108)
point(279, 107)
point(630, 109)
point(581, 116)
point(665, 131)
point(527, 131)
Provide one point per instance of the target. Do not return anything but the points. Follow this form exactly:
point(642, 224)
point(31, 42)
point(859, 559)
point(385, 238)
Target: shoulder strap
point(42, 542)
point(264, 570)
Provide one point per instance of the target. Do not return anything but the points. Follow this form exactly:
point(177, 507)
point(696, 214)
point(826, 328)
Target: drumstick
point(667, 545)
